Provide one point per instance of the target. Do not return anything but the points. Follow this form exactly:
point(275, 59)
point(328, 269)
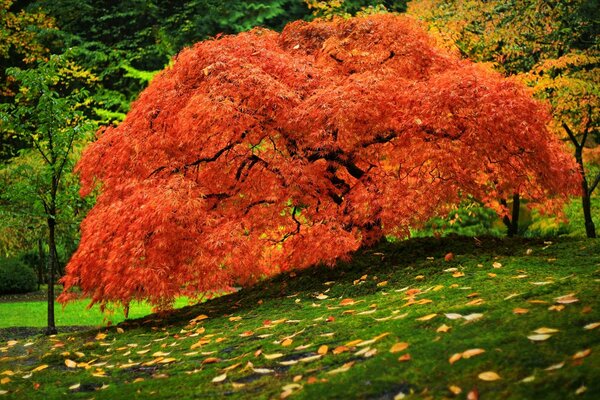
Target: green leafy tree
point(47, 113)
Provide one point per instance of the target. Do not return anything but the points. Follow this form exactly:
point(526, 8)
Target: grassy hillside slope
point(399, 321)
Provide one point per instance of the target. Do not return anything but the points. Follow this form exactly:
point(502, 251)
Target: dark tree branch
point(594, 184)
point(571, 135)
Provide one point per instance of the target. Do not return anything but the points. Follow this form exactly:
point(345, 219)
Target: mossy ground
point(240, 341)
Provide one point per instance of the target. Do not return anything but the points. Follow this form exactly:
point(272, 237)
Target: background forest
point(73, 67)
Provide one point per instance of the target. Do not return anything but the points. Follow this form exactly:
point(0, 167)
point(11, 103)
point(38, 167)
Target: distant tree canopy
point(263, 152)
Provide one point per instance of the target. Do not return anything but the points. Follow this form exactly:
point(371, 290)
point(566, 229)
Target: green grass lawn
point(34, 313)
point(384, 326)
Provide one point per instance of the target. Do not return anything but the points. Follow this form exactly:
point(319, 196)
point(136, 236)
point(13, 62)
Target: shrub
point(16, 277)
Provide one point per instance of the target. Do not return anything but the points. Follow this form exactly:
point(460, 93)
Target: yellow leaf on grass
point(354, 342)
point(538, 338)
point(472, 353)
point(398, 347)
point(343, 368)
point(582, 354)
point(382, 284)
point(322, 296)
point(454, 358)
point(101, 336)
point(236, 318)
point(567, 299)
point(219, 378)
point(4, 381)
point(8, 372)
point(286, 342)
point(591, 326)
point(489, 376)
point(40, 368)
point(199, 343)
point(455, 390)
point(167, 360)
point(273, 356)
point(427, 317)
point(475, 302)
point(556, 307)
point(443, 328)
point(554, 367)
point(160, 354)
point(492, 275)
point(75, 386)
point(545, 330)
point(520, 311)
point(70, 363)
point(404, 357)
point(323, 349)
point(497, 265)
point(199, 318)
point(458, 274)
point(120, 330)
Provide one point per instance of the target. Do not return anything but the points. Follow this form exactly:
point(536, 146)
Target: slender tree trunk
point(51, 329)
point(41, 263)
point(512, 223)
point(590, 228)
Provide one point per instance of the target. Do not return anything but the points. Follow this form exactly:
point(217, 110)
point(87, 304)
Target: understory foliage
point(263, 152)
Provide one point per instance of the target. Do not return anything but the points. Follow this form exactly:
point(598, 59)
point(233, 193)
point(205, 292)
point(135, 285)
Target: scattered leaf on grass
point(528, 379)
point(340, 349)
point(199, 318)
point(545, 330)
point(286, 342)
point(591, 326)
point(4, 381)
point(458, 274)
point(455, 390)
point(427, 317)
point(443, 328)
point(382, 284)
point(555, 367)
point(273, 356)
point(489, 376)
point(70, 363)
point(404, 357)
point(473, 317)
point(567, 299)
point(75, 386)
point(323, 349)
point(219, 378)
point(101, 336)
point(496, 265)
point(398, 347)
point(40, 368)
point(322, 296)
point(520, 311)
point(347, 302)
point(454, 358)
point(581, 390)
point(453, 316)
point(343, 368)
point(538, 338)
point(582, 354)
point(472, 353)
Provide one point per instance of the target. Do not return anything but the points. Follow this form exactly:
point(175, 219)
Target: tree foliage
point(264, 152)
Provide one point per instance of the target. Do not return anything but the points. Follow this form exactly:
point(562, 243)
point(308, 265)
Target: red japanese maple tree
point(264, 152)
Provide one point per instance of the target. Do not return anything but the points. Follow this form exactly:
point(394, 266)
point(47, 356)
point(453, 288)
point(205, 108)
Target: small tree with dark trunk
point(45, 114)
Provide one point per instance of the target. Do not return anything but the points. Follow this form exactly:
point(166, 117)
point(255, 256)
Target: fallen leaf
point(235, 318)
point(472, 353)
point(455, 390)
point(210, 360)
point(538, 338)
point(263, 370)
point(404, 357)
point(454, 358)
point(398, 347)
point(75, 386)
point(567, 299)
point(473, 317)
point(591, 326)
point(458, 274)
point(219, 378)
point(323, 349)
point(520, 311)
point(496, 265)
point(120, 330)
point(287, 342)
point(273, 356)
point(40, 368)
point(101, 336)
point(310, 358)
point(343, 368)
point(420, 277)
point(346, 302)
point(558, 307)
point(199, 318)
point(473, 394)
point(4, 381)
point(475, 302)
point(545, 330)
point(427, 317)
point(489, 376)
point(70, 363)
point(582, 354)
point(7, 372)
point(340, 349)
point(453, 316)
point(322, 296)
point(167, 360)
point(492, 275)
point(449, 256)
point(443, 328)
point(160, 354)
point(528, 379)
point(555, 367)
point(581, 390)
point(382, 284)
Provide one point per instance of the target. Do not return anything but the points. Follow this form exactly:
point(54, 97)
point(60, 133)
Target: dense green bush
point(16, 277)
